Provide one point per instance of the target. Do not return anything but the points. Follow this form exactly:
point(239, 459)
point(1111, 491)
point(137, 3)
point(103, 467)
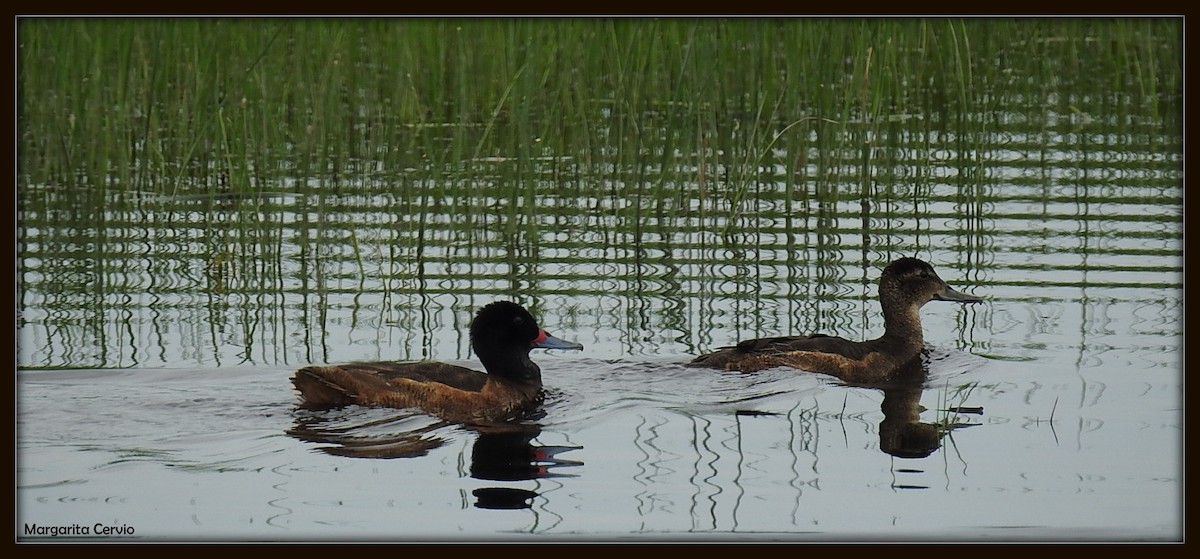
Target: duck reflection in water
point(510, 454)
point(901, 433)
point(405, 435)
point(500, 452)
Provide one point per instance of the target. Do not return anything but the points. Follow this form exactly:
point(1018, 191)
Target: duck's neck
point(513, 366)
point(902, 323)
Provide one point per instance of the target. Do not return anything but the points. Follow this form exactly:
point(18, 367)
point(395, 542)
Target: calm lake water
point(157, 334)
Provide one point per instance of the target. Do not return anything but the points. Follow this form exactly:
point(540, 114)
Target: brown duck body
point(858, 362)
point(502, 336)
point(447, 391)
point(905, 286)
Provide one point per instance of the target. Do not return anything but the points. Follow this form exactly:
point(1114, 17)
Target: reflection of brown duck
point(901, 432)
point(502, 335)
point(905, 286)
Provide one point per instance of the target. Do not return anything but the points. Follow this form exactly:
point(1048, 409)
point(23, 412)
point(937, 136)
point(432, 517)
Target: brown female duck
point(502, 335)
point(905, 286)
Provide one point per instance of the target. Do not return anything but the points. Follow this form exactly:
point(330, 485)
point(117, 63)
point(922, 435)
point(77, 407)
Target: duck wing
point(764, 353)
point(816, 343)
point(338, 385)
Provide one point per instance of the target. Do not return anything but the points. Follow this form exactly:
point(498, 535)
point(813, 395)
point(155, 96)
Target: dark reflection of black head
point(901, 433)
point(508, 454)
point(503, 498)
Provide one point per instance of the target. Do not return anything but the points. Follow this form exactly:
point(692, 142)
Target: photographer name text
point(97, 529)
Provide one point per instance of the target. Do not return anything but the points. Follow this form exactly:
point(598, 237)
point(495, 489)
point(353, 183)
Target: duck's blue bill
point(546, 341)
point(949, 294)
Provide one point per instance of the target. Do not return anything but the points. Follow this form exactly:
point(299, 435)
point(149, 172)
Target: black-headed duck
point(905, 286)
point(502, 335)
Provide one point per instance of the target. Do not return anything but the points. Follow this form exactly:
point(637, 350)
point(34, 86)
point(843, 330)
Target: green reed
point(167, 104)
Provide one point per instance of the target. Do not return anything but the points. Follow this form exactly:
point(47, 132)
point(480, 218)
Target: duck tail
point(318, 390)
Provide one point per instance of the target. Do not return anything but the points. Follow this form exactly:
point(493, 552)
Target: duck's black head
point(502, 335)
point(504, 324)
